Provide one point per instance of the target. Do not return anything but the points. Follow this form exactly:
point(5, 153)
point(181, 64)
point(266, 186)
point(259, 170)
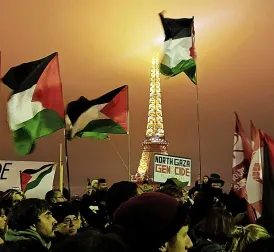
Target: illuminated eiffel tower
point(155, 136)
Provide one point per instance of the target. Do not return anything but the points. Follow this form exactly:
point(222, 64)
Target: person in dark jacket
point(31, 227)
point(91, 241)
point(54, 196)
point(66, 216)
point(265, 245)
point(204, 185)
point(93, 206)
point(10, 198)
point(213, 233)
point(160, 220)
point(3, 223)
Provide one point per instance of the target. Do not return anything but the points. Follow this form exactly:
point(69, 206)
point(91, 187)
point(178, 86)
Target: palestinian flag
point(99, 117)
point(35, 108)
point(38, 179)
point(179, 49)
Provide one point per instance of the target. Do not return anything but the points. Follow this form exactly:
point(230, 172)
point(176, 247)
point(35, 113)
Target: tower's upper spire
point(155, 138)
point(155, 126)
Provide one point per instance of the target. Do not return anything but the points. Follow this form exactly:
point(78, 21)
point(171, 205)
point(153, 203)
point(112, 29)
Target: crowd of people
point(128, 218)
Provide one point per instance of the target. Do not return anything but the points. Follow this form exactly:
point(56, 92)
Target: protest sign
point(35, 178)
point(166, 166)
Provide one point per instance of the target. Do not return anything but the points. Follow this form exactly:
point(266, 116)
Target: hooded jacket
point(27, 240)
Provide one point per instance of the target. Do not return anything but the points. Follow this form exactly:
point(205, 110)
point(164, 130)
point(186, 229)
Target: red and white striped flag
point(254, 183)
point(242, 153)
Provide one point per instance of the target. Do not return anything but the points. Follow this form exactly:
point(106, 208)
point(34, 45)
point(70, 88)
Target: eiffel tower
point(155, 136)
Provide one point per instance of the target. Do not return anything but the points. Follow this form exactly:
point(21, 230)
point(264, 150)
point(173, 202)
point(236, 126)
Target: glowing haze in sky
point(103, 45)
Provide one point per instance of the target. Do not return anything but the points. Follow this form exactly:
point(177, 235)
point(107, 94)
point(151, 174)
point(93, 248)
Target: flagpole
point(65, 137)
point(129, 157)
point(61, 169)
point(1, 94)
point(21, 181)
point(198, 129)
point(67, 160)
point(129, 139)
point(114, 147)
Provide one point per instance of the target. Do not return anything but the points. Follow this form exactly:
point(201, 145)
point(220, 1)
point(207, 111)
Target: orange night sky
point(103, 45)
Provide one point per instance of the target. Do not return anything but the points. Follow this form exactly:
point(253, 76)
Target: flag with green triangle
point(97, 118)
point(36, 107)
point(38, 181)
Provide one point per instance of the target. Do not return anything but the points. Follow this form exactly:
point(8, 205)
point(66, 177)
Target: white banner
point(172, 167)
point(35, 178)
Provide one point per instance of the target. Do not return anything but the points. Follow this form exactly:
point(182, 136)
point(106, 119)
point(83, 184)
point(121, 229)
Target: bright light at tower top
point(159, 40)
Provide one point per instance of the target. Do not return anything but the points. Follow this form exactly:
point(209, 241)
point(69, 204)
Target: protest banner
point(166, 166)
point(34, 178)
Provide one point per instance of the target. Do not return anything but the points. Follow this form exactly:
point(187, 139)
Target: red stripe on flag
point(270, 143)
point(192, 49)
point(49, 88)
point(253, 131)
point(117, 108)
point(25, 178)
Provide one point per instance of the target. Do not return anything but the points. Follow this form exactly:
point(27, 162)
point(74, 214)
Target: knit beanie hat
point(119, 193)
point(101, 180)
point(63, 209)
point(151, 219)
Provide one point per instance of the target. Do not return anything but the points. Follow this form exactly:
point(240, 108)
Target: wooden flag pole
point(61, 169)
point(198, 129)
point(114, 147)
point(129, 140)
point(3, 148)
point(21, 182)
